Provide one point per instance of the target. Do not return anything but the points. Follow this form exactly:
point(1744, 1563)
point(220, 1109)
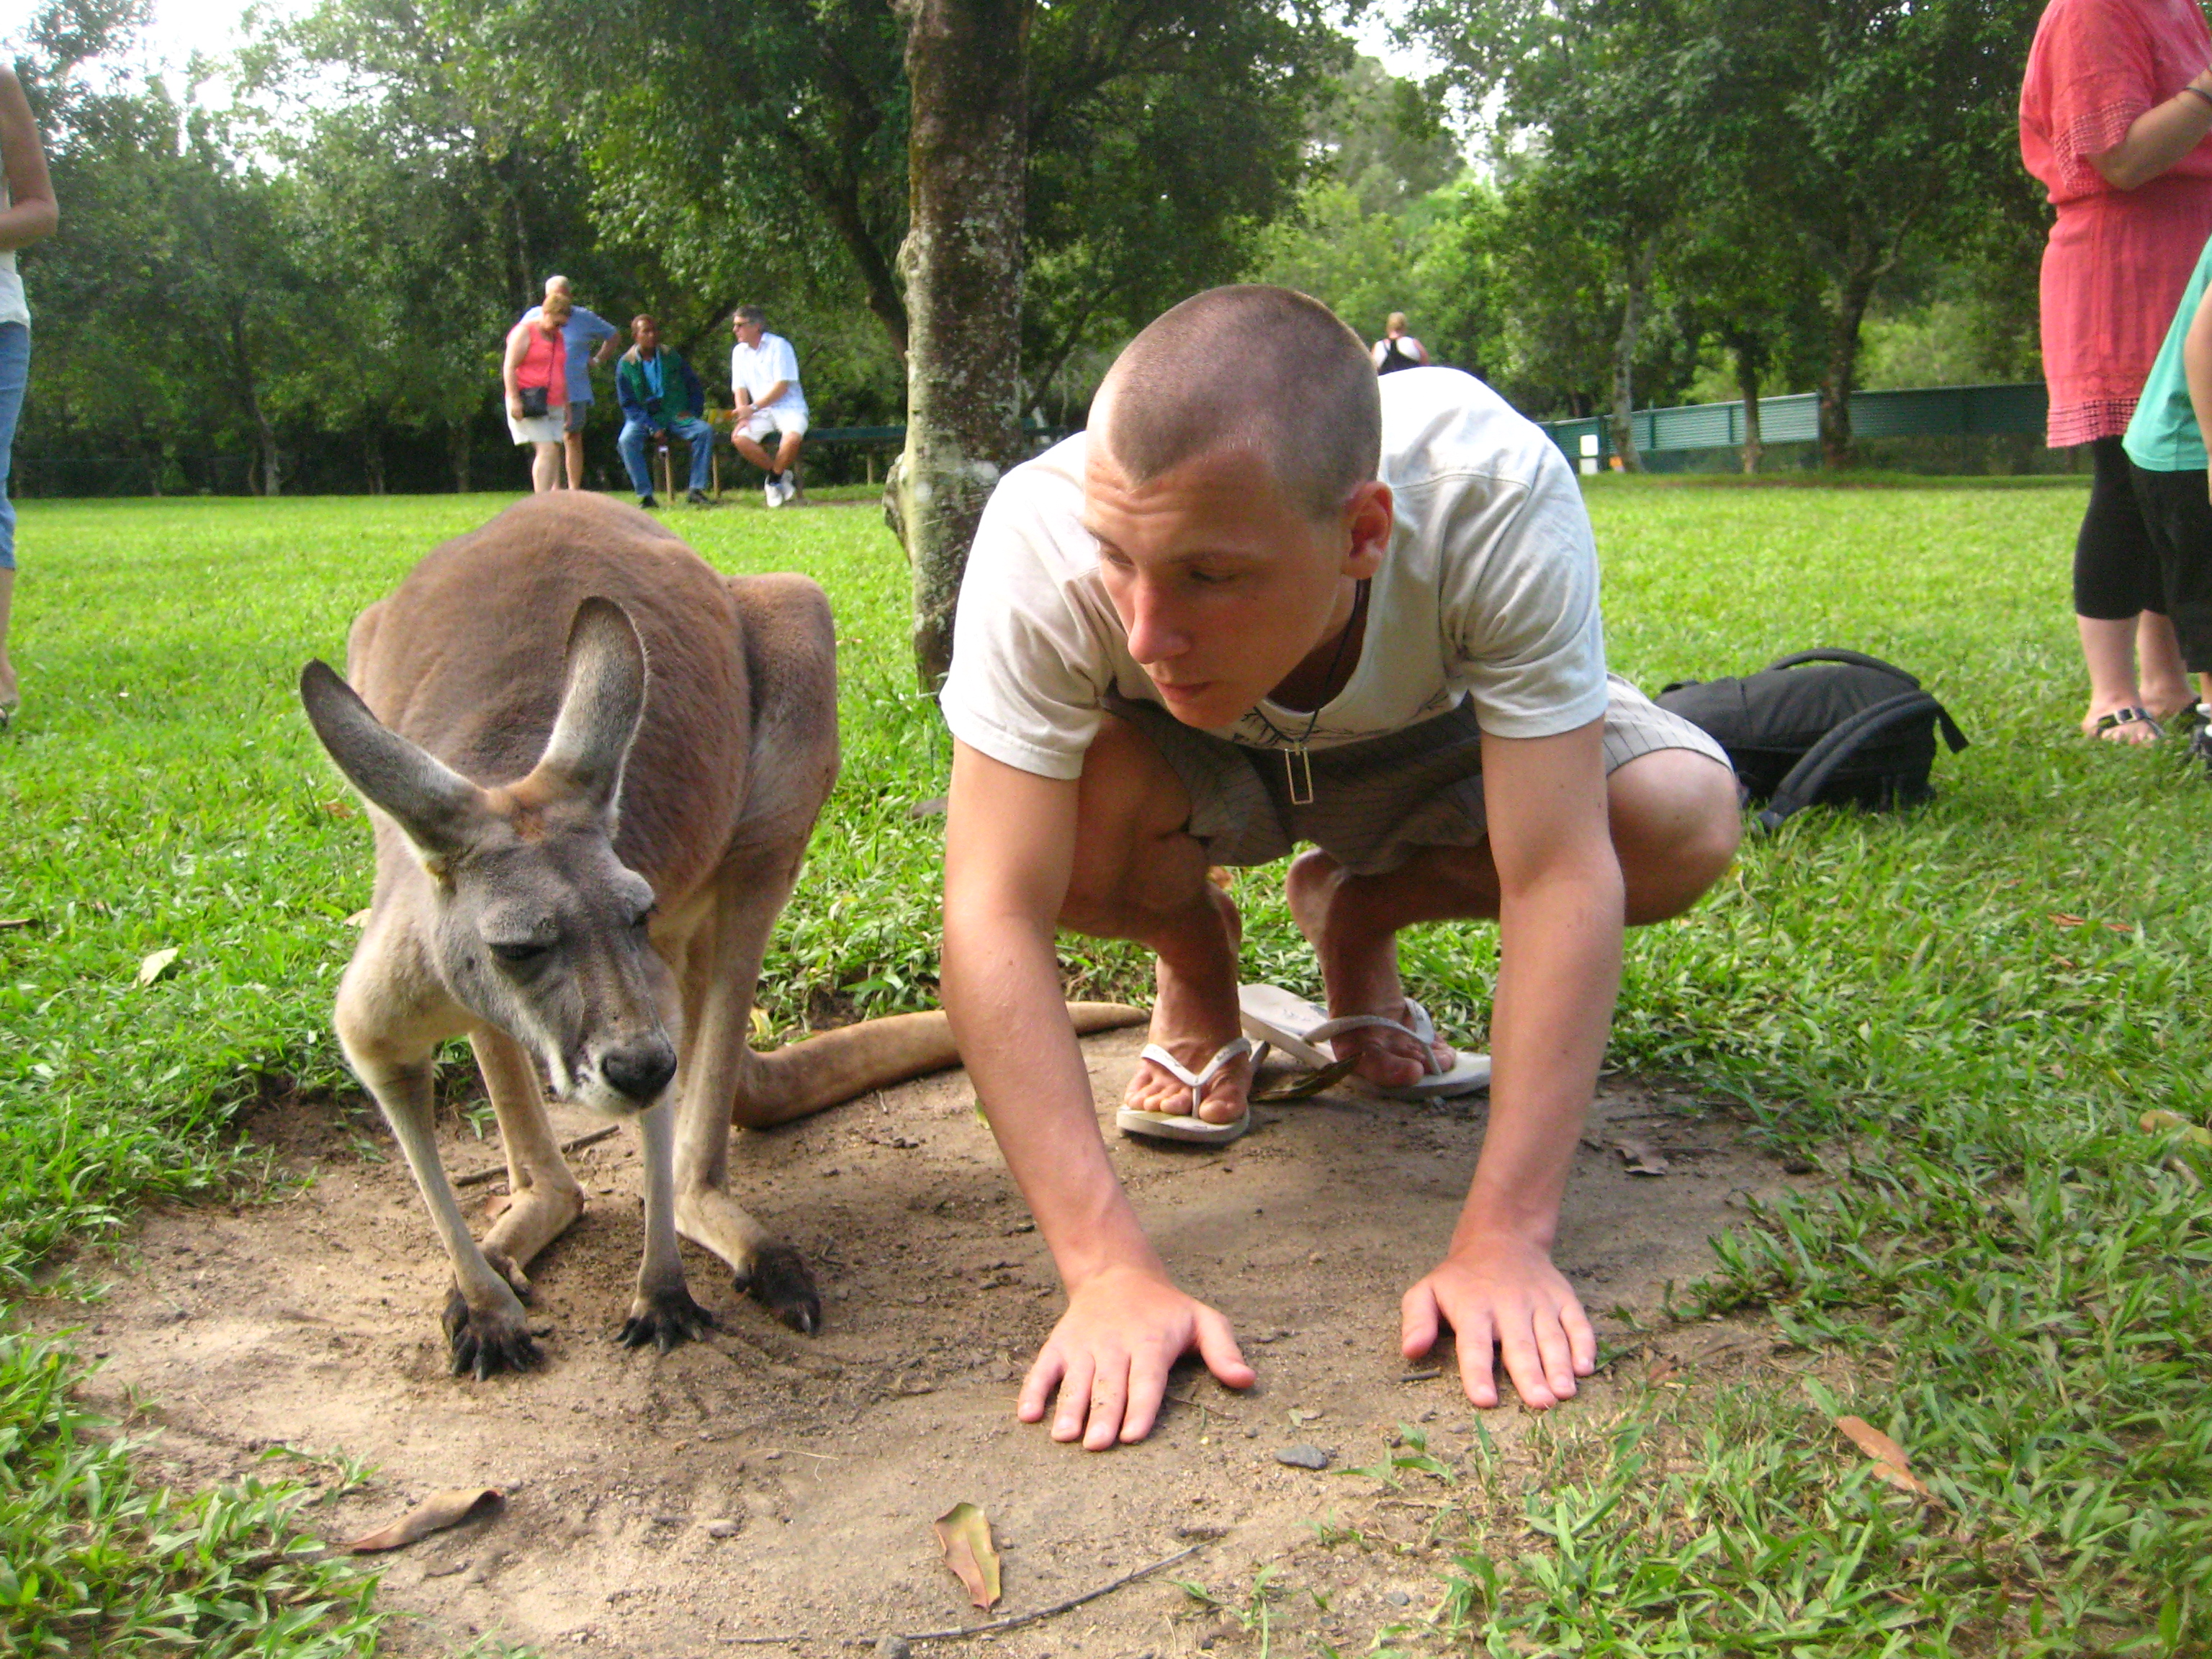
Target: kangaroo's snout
point(640, 1070)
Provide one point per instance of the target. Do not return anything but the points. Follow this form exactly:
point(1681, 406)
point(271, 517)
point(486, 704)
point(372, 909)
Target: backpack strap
point(1855, 658)
point(1806, 778)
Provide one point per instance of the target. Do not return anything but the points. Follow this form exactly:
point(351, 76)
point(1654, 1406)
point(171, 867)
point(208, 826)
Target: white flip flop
point(1277, 1019)
point(1159, 1126)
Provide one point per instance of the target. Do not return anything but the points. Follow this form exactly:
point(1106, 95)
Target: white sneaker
point(771, 494)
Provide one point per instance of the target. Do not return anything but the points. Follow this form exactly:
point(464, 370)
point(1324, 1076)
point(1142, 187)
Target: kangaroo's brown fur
point(594, 763)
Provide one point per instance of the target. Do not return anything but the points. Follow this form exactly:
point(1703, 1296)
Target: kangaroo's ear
point(435, 805)
point(601, 703)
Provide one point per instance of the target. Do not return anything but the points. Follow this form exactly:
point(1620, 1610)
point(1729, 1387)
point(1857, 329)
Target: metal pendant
point(1298, 769)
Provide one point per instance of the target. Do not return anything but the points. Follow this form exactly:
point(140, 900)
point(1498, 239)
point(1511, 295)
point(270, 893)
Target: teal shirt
point(2163, 437)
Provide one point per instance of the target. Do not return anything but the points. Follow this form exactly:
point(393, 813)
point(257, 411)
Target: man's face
point(648, 336)
point(1222, 586)
point(748, 334)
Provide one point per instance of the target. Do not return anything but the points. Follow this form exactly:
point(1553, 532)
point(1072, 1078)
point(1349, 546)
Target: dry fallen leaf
point(1642, 1157)
point(1890, 1462)
point(435, 1513)
point(2154, 1121)
point(2065, 921)
point(965, 1534)
point(156, 964)
point(761, 1029)
point(340, 808)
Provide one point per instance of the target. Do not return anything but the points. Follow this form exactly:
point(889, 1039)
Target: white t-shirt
point(1407, 347)
point(758, 367)
point(1488, 590)
point(13, 308)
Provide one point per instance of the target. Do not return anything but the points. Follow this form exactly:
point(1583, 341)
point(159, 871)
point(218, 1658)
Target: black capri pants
point(2177, 517)
point(2116, 568)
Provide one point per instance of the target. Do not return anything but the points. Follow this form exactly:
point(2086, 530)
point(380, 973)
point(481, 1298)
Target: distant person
point(27, 215)
point(1398, 349)
point(584, 330)
point(659, 392)
point(764, 386)
point(536, 377)
point(2114, 115)
point(2166, 445)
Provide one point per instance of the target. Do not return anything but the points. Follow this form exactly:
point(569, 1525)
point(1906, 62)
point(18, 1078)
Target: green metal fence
point(1946, 411)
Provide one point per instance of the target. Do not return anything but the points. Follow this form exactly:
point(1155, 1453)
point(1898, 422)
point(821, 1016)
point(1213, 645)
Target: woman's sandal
point(2131, 715)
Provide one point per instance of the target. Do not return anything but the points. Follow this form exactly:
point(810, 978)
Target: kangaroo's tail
point(836, 1065)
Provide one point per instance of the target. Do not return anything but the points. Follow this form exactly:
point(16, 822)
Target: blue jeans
point(693, 430)
point(15, 373)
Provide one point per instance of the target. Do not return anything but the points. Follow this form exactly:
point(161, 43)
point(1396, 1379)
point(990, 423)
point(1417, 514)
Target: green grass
point(2011, 1276)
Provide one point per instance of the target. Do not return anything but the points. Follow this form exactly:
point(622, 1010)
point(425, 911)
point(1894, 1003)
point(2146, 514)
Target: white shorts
point(546, 429)
point(765, 421)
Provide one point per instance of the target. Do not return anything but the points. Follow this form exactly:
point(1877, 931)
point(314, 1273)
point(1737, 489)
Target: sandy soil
point(764, 1483)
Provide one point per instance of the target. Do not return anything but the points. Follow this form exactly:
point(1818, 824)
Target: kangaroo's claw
point(664, 1318)
point(487, 1342)
point(779, 1281)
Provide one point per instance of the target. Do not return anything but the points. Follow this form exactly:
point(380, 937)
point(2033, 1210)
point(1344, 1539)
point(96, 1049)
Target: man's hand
point(1110, 1354)
point(1500, 1292)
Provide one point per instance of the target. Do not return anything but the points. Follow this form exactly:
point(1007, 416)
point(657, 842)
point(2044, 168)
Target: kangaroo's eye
point(518, 954)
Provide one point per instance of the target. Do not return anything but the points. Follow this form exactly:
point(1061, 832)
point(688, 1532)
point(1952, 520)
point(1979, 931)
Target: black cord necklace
point(1298, 764)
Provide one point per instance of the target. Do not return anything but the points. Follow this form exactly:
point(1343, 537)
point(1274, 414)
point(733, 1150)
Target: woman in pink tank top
point(2114, 117)
point(536, 376)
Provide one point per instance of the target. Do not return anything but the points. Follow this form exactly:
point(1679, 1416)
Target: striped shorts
point(1374, 802)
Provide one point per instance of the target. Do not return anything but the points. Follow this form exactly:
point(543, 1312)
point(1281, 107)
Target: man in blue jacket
point(659, 392)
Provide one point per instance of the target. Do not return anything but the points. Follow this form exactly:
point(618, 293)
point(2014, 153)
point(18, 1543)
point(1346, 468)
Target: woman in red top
point(538, 360)
point(2114, 117)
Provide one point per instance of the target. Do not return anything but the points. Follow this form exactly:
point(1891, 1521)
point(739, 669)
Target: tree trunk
point(963, 264)
point(1639, 278)
point(458, 447)
point(1852, 294)
point(372, 460)
point(1747, 379)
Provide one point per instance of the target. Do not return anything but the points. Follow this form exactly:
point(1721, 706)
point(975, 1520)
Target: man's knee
point(1676, 823)
point(1133, 852)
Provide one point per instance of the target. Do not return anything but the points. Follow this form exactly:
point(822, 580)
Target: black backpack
point(1855, 731)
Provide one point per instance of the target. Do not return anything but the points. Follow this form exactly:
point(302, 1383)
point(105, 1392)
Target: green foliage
point(94, 1560)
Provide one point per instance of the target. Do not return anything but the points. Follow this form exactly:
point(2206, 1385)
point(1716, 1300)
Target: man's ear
point(1369, 518)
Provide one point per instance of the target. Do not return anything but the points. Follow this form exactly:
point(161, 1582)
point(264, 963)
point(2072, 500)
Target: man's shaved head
point(1263, 369)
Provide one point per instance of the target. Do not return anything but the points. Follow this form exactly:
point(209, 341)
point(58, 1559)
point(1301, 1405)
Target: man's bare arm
point(1559, 945)
point(1009, 841)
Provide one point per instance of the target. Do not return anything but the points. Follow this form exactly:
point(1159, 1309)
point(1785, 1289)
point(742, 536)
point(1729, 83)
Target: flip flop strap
point(1416, 1025)
point(1227, 1054)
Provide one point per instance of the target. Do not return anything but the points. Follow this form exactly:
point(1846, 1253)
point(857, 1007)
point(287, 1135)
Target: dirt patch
point(763, 1483)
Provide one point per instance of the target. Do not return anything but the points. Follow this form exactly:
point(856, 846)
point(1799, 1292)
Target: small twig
point(1057, 1607)
point(1215, 1411)
point(567, 1149)
point(18, 921)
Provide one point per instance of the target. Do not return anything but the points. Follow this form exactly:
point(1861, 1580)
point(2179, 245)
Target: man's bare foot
point(1359, 962)
point(1193, 1015)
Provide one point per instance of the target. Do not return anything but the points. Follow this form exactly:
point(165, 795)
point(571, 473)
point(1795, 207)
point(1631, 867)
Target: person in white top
point(27, 214)
point(1398, 349)
point(764, 386)
point(1268, 598)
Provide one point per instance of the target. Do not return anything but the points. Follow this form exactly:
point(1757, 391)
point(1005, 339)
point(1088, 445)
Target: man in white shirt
point(764, 385)
point(1268, 598)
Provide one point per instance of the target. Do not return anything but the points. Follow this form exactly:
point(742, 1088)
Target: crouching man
point(1268, 599)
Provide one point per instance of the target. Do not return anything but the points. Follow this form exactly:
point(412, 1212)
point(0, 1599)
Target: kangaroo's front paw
point(488, 1341)
point(665, 1318)
point(779, 1281)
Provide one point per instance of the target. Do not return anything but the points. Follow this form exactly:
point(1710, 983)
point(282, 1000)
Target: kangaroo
point(593, 763)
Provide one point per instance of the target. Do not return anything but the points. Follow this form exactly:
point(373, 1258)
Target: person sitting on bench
point(659, 392)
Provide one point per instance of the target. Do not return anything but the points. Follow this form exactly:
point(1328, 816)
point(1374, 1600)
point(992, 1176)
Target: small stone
point(892, 1647)
point(723, 1529)
point(1302, 1457)
point(1800, 1166)
point(1251, 1431)
point(1397, 1598)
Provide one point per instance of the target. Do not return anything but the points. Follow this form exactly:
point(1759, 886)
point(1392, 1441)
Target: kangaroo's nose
point(640, 1070)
